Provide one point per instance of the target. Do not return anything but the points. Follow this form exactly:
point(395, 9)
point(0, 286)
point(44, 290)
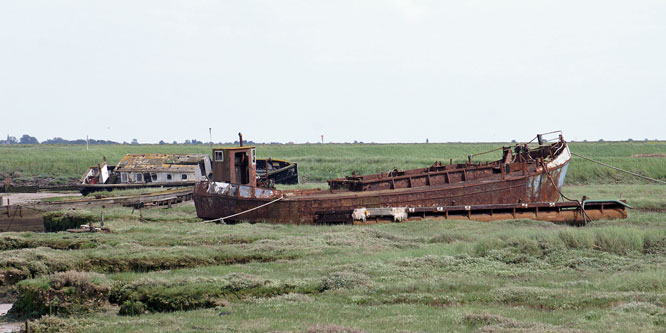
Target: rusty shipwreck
point(524, 183)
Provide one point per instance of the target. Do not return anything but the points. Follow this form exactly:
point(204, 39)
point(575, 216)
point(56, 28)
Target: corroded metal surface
point(570, 212)
point(523, 175)
point(274, 171)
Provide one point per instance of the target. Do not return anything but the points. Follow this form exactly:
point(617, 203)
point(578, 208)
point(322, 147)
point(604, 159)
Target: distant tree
point(175, 142)
point(135, 141)
point(27, 139)
point(601, 140)
point(11, 140)
point(103, 142)
point(188, 142)
point(646, 140)
point(196, 142)
point(61, 141)
point(54, 141)
point(162, 142)
point(513, 141)
point(630, 140)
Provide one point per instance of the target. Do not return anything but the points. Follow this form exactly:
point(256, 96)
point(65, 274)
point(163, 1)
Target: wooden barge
point(524, 179)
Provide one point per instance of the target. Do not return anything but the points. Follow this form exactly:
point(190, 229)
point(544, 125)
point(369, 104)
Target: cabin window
point(254, 156)
point(168, 176)
point(219, 156)
point(123, 177)
point(139, 177)
point(183, 177)
point(153, 176)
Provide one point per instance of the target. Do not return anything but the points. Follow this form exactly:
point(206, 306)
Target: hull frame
point(540, 183)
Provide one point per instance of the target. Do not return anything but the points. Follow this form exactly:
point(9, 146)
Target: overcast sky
point(372, 71)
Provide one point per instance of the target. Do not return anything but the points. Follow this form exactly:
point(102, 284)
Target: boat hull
point(215, 200)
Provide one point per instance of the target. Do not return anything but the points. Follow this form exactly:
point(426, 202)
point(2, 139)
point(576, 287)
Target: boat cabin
point(235, 165)
point(161, 168)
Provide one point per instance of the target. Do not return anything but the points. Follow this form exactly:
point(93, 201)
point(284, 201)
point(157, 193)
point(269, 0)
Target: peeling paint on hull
point(308, 209)
point(469, 184)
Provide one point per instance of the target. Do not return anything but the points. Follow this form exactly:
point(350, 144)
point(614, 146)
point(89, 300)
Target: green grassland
point(318, 163)
point(169, 272)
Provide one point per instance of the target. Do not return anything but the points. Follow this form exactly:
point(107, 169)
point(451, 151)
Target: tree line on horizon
point(31, 140)
point(27, 139)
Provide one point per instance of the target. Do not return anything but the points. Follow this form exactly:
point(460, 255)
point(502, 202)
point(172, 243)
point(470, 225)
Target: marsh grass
point(166, 271)
point(419, 276)
point(318, 163)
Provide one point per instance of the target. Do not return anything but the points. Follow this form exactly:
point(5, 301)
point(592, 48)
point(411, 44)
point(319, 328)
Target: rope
point(536, 137)
point(16, 209)
point(524, 143)
point(33, 208)
point(243, 212)
point(582, 207)
point(9, 226)
point(485, 152)
point(618, 169)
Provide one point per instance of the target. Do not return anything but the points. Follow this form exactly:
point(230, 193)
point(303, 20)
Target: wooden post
point(102, 217)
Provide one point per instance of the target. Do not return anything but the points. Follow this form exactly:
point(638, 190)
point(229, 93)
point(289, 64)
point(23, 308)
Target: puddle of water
point(4, 308)
point(8, 327)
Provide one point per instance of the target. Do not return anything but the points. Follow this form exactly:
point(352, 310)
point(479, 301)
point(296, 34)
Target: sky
point(366, 70)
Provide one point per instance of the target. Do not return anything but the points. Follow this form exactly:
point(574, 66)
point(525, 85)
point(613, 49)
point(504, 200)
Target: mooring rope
point(485, 152)
point(618, 169)
point(582, 207)
point(9, 226)
point(243, 212)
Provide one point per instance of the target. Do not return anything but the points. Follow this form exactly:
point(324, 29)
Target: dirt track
point(24, 198)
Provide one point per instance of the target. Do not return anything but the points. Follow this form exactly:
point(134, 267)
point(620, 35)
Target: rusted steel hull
point(277, 171)
point(570, 212)
point(217, 200)
point(522, 176)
